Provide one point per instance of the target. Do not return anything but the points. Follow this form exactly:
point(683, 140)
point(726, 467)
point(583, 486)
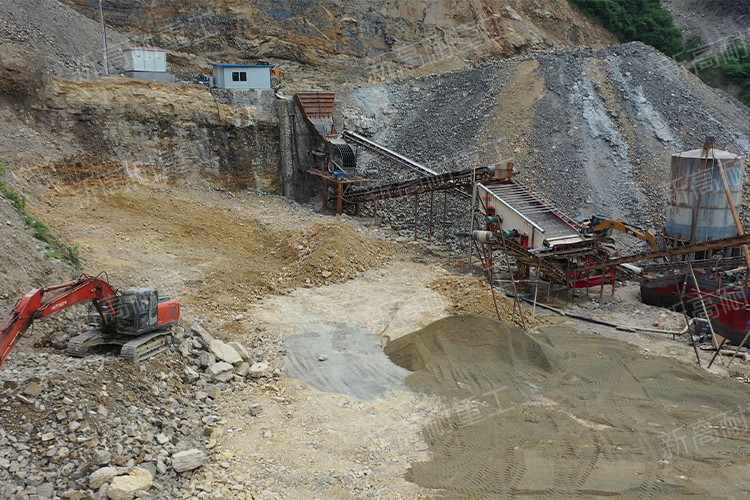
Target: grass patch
point(59, 249)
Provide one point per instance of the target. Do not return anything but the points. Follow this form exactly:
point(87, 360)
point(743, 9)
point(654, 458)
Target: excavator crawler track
point(85, 343)
point(147, 345)
point(133, 348)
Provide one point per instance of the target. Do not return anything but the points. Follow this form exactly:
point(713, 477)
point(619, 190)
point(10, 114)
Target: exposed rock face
point(176, 129)
point(354, 36)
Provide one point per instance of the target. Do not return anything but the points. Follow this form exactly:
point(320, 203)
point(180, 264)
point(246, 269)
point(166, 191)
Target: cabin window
point(239, 76)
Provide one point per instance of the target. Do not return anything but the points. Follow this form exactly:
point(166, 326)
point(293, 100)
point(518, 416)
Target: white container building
point(147, 63)
point(242, 76)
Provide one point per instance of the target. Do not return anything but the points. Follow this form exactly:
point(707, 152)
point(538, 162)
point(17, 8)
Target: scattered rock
point(188, 460)
point(221, 372)
point(207, 360)
point(240, 350)
point(258, 370)
point(101, 476)
point(203, 336)
point(243, 369)
point(33, 390)
point(45, 490)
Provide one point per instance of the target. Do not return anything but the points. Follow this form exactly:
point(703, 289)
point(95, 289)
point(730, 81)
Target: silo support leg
point(737, 222)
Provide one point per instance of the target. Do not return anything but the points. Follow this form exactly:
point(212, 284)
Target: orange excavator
point(603, 225)
point(138, 319)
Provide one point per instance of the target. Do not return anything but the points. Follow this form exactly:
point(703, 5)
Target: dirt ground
point(323, 294)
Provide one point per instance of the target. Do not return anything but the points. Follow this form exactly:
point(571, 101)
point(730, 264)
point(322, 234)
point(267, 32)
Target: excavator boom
point(42, 302)
point(599, 223)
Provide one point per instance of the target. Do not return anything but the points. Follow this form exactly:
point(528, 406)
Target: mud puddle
point(561, 413)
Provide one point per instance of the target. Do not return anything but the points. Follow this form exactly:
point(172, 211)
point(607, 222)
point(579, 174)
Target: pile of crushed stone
point(335, 252)
point(469, 354)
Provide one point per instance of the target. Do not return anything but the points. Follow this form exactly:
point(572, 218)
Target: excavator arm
point(42, 302)
point(599, 223)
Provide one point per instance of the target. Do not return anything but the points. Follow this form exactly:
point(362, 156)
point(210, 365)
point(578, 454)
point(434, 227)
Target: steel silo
point(698, 205)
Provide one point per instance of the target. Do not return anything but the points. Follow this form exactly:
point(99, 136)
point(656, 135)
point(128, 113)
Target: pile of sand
point(469, 355)
point(472, 295)
point(566, 414)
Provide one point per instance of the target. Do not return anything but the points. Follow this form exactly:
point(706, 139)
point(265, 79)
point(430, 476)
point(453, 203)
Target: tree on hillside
point(642, 20)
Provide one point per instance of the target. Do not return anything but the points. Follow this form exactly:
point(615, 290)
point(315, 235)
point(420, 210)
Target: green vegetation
point(648, 22)
point(731, 70)
point(60, 249)
point(636, 20)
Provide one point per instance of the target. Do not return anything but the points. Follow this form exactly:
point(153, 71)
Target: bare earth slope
point(714, 21)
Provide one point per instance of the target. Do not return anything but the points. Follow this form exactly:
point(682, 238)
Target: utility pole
point(104, 39)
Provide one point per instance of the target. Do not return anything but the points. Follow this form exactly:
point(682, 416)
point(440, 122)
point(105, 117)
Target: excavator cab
point(138, 311)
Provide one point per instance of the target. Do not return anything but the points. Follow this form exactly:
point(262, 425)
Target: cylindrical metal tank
point(698, 205)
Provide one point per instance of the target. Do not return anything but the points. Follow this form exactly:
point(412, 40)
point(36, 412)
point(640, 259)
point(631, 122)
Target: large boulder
point(124, 487)
point(225, 352)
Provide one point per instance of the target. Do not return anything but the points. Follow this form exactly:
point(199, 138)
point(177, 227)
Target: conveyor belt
point(731, 262)
point(734, 241)
point(440, 182)
point(382, 151)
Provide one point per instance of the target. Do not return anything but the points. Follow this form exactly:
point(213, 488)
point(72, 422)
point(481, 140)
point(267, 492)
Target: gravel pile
point(63, 42)
point(591, 129)
point(102, 427)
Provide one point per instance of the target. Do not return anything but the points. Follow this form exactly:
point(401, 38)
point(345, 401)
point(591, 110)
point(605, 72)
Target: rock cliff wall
point(357, 40)
point(177, 129)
